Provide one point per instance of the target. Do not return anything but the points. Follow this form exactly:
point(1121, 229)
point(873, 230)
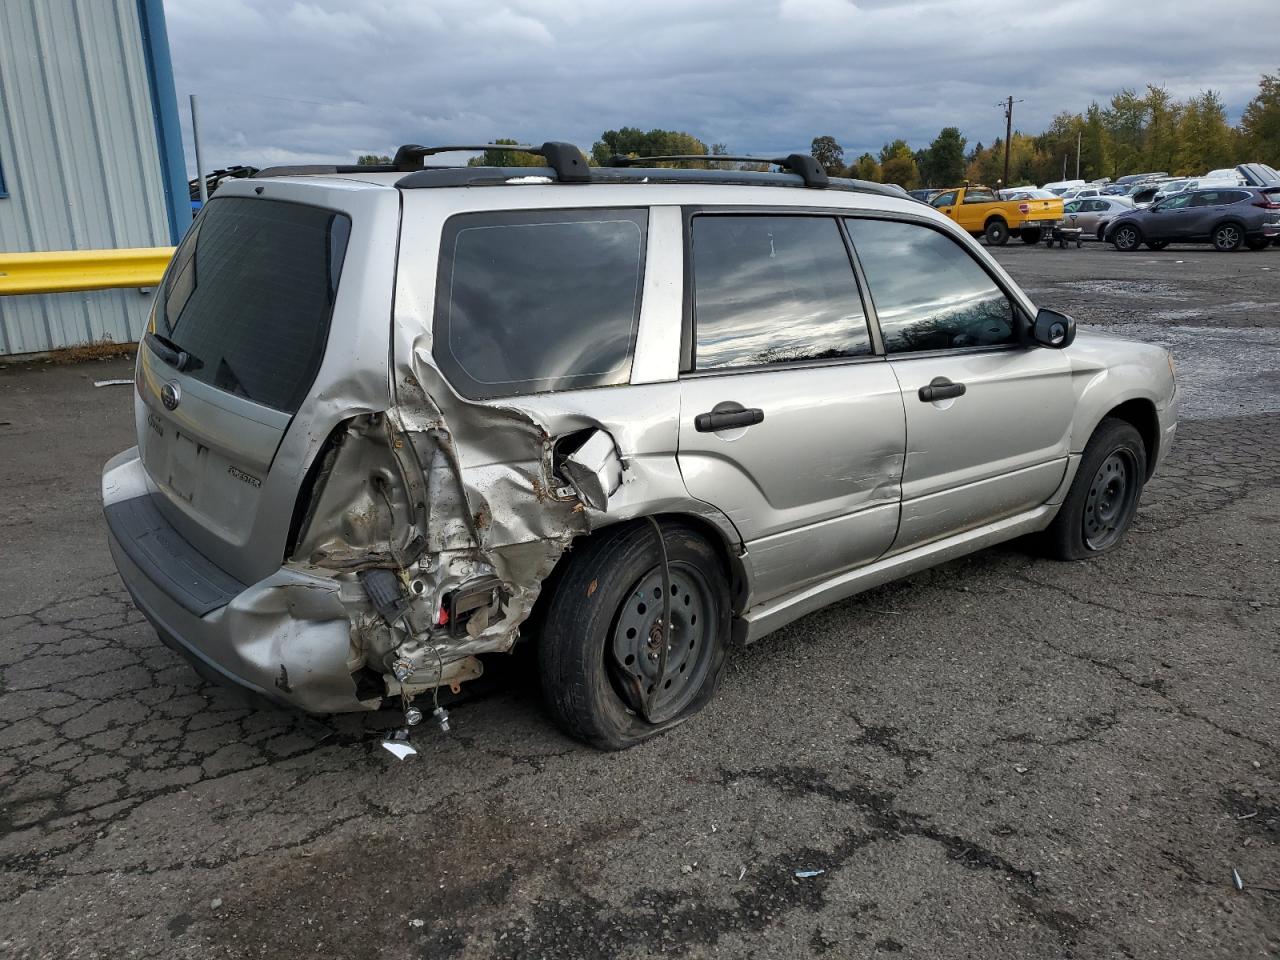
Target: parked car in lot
point(1228, 218)
point(1094, 213)
point(1027, 193)
point(1259, 175)
point(1059, 187)
point(984, 214)
point(391, 419)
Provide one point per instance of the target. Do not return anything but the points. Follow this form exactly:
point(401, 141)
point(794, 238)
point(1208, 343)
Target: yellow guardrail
point(59, 271)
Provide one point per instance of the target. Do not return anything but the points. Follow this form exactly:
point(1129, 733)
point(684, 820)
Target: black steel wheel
point(612, 675)
point(1227, 237)
point(1030, 236)
point(661, 688)
point(1104, 495)
point(996, 233)
point(1111, 500)
point(1126, 238)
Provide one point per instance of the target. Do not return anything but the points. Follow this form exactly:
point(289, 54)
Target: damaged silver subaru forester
point(391, 419)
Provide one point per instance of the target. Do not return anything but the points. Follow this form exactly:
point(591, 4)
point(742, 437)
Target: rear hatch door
point(272, 325)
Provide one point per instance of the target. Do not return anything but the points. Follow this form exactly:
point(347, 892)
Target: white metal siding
point(80, 158)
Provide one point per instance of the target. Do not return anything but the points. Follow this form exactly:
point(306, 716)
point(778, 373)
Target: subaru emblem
point(170, 395)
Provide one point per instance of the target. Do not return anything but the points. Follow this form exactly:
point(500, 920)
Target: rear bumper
point(285, 639)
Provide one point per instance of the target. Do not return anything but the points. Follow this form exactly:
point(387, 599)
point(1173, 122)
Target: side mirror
point(1053, 329)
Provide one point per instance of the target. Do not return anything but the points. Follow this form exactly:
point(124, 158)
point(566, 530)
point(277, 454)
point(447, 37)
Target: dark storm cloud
point(329, 79)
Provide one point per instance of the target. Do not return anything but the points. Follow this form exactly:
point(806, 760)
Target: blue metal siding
point(80, 140)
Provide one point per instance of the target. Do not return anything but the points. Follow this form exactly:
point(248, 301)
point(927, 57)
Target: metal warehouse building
point(90, 156)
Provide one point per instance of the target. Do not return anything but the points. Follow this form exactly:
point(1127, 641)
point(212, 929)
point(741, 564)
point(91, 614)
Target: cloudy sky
point(313, 80)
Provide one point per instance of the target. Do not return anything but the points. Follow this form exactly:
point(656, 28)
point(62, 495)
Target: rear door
point(988, 420)
point(790, 422)
point(272, 324)
point(1203, 212)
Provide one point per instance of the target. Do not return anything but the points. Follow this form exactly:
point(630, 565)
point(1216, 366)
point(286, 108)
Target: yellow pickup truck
point(980, 211)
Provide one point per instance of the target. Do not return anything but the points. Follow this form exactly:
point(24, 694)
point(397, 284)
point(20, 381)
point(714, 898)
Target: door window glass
point(944, 199)
point(929, 293)
point(773, 289)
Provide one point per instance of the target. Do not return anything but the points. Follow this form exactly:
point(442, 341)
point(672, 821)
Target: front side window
point(537, 300)
point(945, 199)
point(773, 289)
point(1175, 202)
point(929, 292)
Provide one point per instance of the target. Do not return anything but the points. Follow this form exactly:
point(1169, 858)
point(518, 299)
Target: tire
point(597, 604)
point(1102, 233)
point(1227, 237)
point(1157, 244)
point(1030, 237)
point(1257, 243)
point(1126, 238)
point(1104, 495)
point(996, 233)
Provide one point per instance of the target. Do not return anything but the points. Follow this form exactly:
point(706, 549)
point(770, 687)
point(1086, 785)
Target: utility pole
point(1078, 132)
point(195, 135)
point(1007, 104)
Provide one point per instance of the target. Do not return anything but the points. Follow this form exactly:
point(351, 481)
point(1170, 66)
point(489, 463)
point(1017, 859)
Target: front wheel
point(1126, 238)
point(604, 675)
point(1227, 238)
point(1104, 495)
point(996, 233)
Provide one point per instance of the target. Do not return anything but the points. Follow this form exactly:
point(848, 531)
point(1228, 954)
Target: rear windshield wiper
point(171, 353)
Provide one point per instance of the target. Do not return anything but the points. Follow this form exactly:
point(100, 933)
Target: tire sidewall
point(1067, 531)
point(1115, 237)
point(996, 233)
point(1239, 237)
point(574, 646)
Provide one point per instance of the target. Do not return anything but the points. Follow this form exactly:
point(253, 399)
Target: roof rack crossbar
point(564, 158)
point(799, 163)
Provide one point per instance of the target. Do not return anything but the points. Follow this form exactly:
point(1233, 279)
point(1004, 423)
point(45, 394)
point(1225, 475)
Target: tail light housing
point(1267, 202)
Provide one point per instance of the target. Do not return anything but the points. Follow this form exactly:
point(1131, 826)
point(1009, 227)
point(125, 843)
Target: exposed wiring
point(665, 646)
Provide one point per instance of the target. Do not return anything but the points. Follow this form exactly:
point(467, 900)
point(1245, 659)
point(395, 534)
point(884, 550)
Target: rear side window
point(538, 300)
point(929, 293)
point(250, 294)
point(771, 290)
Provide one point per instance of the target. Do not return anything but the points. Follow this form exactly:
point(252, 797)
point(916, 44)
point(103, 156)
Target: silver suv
point(392, 419)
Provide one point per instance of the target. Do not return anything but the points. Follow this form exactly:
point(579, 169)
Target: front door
point(988, 420)
point(790, 422)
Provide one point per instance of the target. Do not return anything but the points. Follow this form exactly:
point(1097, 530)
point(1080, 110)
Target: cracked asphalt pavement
point(1004, 756)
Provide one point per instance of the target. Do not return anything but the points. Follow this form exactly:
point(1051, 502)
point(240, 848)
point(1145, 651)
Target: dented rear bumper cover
point(285, 639)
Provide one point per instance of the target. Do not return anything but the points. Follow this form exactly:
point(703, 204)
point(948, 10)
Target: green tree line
point(1136, 132)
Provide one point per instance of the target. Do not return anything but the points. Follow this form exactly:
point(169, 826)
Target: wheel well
point(1141, 414)
point(1229, 221)
point(732, 565)
point(995, 218)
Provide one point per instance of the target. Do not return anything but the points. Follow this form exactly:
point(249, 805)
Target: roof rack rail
point(799, 163)
point(564, 158)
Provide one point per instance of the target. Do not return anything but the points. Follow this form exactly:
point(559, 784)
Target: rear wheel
point(1030, 236)
point(1126, 238)
point(1157, 244)
point(1104, 495)
point(604, 677)
point(1257, 243)
point(1227, 237)
point(996, 233)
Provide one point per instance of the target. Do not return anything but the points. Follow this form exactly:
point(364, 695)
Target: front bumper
point(285, 639)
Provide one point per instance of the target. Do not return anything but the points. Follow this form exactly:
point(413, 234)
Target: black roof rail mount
point(564, 158)
point(802, 164)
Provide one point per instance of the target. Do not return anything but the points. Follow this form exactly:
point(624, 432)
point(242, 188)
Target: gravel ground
point(1004, 756)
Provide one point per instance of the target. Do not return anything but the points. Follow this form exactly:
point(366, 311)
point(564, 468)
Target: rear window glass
point(538, 300)
point(250, 293)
